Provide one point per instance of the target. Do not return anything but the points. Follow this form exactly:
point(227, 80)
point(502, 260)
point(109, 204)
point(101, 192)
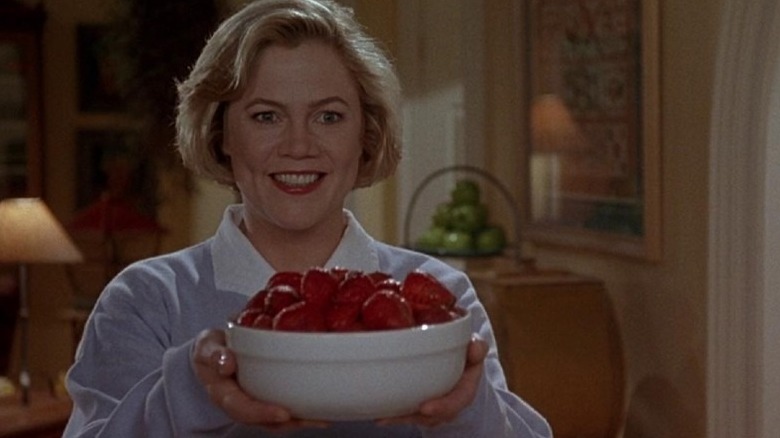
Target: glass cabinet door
point(21, 126)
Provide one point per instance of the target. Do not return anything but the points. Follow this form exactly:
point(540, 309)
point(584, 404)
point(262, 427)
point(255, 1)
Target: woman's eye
point(328, 117)
point(266, 117)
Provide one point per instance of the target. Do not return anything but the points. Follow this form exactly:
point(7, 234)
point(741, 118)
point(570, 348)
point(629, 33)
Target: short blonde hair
point(221, 71)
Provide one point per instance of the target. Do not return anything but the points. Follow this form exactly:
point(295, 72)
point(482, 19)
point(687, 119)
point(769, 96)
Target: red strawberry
point(354, 289)
point(289, 278)
point(344, 317)
point(339, 273)
point(257, 301)
point(378, 276)
point(385, 310)
point(279, 297)
point(390, 284)
point(300, 317)
point(263, 321)
point(422, 290)
point(434, 315)
point(318, 286)
point(247, 316)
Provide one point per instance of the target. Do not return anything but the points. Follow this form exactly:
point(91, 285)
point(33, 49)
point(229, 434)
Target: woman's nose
point(299, 141)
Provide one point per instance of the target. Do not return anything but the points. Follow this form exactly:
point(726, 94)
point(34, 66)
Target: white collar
point(240, 268)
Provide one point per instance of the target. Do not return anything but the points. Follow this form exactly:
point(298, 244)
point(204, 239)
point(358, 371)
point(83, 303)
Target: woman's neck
point(295, 250)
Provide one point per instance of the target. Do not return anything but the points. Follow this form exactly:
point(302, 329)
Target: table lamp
point(29, 233)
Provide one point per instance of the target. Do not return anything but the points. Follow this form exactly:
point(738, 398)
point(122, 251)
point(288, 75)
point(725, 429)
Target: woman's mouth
point(297, 183)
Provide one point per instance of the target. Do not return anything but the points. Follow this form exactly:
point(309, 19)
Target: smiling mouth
point(297, 180)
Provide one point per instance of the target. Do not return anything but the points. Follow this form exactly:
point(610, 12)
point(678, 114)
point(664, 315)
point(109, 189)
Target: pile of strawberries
point(342, 300)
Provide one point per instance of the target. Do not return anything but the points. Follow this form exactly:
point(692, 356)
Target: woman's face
point(294, 137)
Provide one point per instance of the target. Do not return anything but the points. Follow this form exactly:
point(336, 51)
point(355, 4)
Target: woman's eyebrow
point(329, 100)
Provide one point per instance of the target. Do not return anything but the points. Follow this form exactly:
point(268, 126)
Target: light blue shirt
point(132, 375)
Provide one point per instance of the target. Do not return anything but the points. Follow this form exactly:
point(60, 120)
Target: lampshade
point(553, 129)
point(29, 233)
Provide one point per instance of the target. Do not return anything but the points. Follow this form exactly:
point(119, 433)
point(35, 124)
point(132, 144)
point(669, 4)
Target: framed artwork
point(594, 126)
point(114, 167)
point(99, 71)
point(21, 110)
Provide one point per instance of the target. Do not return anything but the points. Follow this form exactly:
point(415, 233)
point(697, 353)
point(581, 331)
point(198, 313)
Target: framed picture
point(99, 70)
point(594, 126)
point(115, 167)
point(21, 113)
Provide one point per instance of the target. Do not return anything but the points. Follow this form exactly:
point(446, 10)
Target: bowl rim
point(364, 333)
point(349, 346)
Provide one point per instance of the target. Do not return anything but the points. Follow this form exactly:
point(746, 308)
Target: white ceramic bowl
point(351, 376)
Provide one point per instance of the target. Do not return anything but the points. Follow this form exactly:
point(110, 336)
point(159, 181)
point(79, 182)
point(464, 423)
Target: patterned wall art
point(594, 126)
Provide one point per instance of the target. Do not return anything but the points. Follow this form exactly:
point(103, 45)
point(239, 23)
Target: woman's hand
point(445, 408)
point(215, 367)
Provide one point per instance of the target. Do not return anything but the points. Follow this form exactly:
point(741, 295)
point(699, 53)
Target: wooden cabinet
point(21, 119)
point(560, 347)
point(45, 416)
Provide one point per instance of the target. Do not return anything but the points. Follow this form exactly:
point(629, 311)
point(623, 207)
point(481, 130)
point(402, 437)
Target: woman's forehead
point(312, 68)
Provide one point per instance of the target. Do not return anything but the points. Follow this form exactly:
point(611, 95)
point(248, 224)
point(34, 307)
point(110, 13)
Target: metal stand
point(489, 178)
point(24, 316)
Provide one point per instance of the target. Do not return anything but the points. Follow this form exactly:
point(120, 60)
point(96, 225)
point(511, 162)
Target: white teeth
point(296, 179)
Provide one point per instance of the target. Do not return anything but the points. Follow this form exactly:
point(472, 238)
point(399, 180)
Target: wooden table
point(560, 347)
point(44, 417)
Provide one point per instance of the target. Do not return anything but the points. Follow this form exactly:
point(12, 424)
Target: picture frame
point(99, 71)
point(593, 124)
point(113, 165)
point(21, 105)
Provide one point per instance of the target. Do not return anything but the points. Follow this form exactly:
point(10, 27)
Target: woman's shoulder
point(189, 261)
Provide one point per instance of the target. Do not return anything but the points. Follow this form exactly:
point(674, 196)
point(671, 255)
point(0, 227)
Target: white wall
point(440, 64)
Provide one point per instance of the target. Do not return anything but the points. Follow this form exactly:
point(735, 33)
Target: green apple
point(491, 238)
point(431, 239)
point(442, 217)
point(466, 191)
point(457, 241)
point(469, 217)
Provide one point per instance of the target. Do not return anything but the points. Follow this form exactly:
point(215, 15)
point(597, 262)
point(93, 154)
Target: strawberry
point(257, 301)
point(289, 278)
point(422, 290)
point(385, 310)
point(354, 289)
point(344, 317)
point(339, 273)
point(279, 297)
point(318, 286)
point(247, 316)
point(434, 315)
point(390, 284)
point(378, 276)
point(262, 321)
point(300, 317)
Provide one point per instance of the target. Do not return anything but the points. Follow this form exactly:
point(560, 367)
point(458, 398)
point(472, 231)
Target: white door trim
point(743, 381)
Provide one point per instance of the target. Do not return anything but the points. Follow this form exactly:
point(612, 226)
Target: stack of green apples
point(462, 224)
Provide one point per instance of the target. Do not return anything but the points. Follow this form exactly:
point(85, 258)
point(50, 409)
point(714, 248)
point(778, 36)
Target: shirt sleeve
point(496, 412)
point(129, 379)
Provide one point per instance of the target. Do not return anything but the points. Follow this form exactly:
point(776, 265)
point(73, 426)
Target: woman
point(293, 106)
